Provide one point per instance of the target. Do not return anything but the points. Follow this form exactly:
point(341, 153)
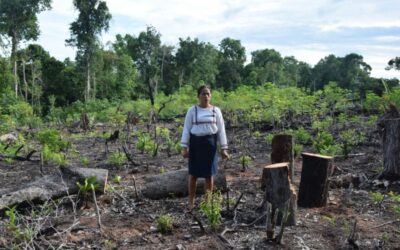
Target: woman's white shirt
point(208, 121)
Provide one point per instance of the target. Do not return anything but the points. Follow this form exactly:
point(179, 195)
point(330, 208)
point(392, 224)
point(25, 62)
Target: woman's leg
point(192, 190)
point(208, 187)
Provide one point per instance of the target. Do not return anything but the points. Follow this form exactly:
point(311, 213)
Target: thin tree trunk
point(94, 86)
point(87, 91)
point(25, 82)
point(14, 42)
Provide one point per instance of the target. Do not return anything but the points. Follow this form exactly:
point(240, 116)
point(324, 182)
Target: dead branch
point(197, 220)
point(386, 223)
point(97, 209)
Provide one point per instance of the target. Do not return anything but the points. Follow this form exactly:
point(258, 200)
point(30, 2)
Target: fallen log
point(314, 183)
point(51, 186)
point(174, 183)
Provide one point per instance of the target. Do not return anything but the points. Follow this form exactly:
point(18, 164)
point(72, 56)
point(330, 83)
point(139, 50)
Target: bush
point(117, 159)
point(164, 223)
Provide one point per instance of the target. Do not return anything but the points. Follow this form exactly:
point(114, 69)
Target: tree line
point(140, 65)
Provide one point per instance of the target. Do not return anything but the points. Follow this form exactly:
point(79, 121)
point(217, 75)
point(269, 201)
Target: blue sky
point(308, 30)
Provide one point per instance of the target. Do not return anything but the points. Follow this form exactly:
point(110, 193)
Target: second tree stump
point(314, 183)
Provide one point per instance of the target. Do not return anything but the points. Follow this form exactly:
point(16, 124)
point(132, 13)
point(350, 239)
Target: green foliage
point(302, 136)
point(117, 159)
point(268, 138)
point(396, 207)
point(297, 148)
point(377, 197)
point(164, 223)
point(350, 138)
point(84, 161)
point(211, 208)
point(245, 160)
point(323, 142)
point(256, 134)
point(88, 185)
point(50, 155)
point(53, 139)
point(116, 179)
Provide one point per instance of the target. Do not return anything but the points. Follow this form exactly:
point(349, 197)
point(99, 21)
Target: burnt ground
point(130, 223)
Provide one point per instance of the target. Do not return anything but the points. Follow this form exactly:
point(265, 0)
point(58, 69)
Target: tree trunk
point(25, 82)
point(391, 149)
point(14, 44)
point(282, 151)
point(314, 183)
point(87, 89)
point(94, 86)
point(174, 183)
point(52, 186)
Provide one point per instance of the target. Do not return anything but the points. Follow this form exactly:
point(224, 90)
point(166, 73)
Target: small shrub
point(377, 197)
point(302, 136)
point(268, 138)
point(212, 208)
point(297, 148)
point(88, 185)
point(84, 161)
point(164, 223)
point(245, 161)
point(116, 179)
point(257, 134)
point(117, 159)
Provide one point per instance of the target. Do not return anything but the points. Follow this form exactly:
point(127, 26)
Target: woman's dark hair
point(201, 89)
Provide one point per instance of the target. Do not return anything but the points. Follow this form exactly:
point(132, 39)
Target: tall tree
point(147, 59)
point(394, 63)
point(18, 20)
point(93, 18)
point(232, 58)
point(196, 62)
point(266, 66)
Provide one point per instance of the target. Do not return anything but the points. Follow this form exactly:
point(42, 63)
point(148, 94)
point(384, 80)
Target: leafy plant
point(116, 179)
point(164, 223)
point(84, 161)
point(377, 197)
point(88, 184)
point(268, 138)
point(302, 136)
point(297, 148)
point(117, 159)
point(245, 161)
point(211, 208)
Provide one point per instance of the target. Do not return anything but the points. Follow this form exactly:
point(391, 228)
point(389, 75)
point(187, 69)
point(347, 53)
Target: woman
point(204, 126)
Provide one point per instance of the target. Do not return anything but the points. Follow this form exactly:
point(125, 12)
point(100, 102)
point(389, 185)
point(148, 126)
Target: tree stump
point(84, 122)
point(391, 149)
point(278, 196)
point(314, 183)
point(282, 151)
point(174, 183)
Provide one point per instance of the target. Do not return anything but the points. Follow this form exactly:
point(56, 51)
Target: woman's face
point(205, 96)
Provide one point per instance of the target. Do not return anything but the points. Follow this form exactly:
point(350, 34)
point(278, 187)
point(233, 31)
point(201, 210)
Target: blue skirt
point(203, 158)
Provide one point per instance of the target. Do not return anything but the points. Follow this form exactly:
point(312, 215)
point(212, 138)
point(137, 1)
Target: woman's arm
point(223, 142)
point(186, 128)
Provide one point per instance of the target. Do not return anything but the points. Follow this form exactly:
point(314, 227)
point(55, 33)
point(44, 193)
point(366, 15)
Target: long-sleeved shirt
point(208, 121)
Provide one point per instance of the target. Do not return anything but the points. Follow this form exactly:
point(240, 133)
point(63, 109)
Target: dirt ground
point(130, 223)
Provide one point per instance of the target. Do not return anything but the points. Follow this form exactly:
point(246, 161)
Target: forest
point(90, 153)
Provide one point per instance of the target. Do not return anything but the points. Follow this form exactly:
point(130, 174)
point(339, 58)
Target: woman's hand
point(225, 155)
point(185, 153)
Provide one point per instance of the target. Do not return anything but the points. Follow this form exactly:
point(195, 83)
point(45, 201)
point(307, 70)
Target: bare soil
point(130, 223)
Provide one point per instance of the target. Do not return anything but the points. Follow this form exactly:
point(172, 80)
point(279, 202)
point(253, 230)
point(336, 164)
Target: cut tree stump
point(282, 151)
point(391, 149)
point(51, 186)
point(314, 183)
point(174, 183)
point(278, 198)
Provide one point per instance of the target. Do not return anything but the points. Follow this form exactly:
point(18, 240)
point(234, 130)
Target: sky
point(306, 29)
